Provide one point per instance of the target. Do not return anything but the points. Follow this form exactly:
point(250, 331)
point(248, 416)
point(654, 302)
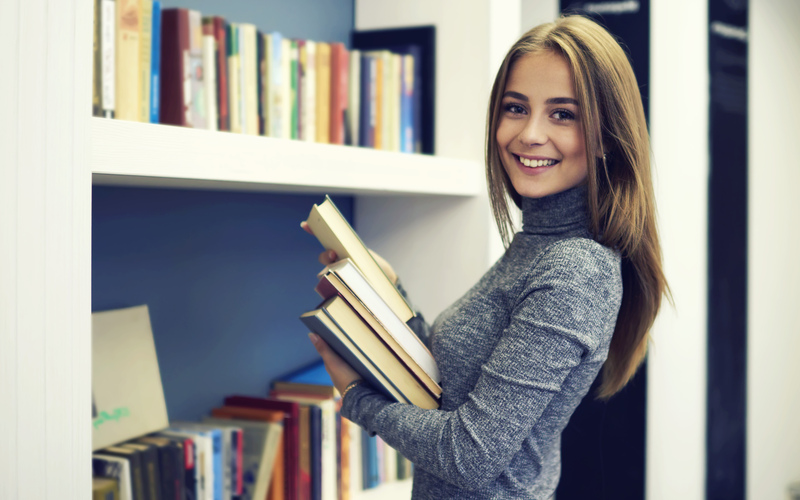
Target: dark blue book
point(366, 124)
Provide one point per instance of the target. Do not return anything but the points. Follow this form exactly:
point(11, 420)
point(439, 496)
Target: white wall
point(471, 37)
point(676, 377)
point(773, 381)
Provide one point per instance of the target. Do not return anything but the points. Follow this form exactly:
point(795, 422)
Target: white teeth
point(536, 163)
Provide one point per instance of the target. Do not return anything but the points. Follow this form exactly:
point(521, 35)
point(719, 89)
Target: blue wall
point(225, 276)
point(319, 20)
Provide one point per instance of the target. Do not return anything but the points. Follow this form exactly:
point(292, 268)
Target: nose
point(534, 133)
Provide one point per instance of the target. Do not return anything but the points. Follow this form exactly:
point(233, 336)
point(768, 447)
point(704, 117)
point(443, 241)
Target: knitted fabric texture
point(517, 353)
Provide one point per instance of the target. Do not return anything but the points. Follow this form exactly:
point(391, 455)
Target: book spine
point(407, 106)
point(339, 90)
point(210, 74)
point(275, 75)
point(128, 24)
point(244, 55)
point(175, 84)
point(309, 93)
point(294, 94)
point(198, 111)
point(233, 78)
point(323, 91)
point(97, 77)
point(354, 99)
point(286, 89)
point(250, 39)
point(261, 82)
point(145, 59)
point(155, 62)
point(108, 56)
point(223, 115)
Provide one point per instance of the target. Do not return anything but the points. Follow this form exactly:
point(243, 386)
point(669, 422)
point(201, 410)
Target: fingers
point(327, 257)
point(306, 228)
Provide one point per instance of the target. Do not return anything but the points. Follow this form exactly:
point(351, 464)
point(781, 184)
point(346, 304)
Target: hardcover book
point(128, 398)
point(335, 233)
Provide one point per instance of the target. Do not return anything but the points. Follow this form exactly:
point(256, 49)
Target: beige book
point(128, 73)
point(210, 81)
point(323, 70)
point(127, 395)
point(249, 62)
point(335, 233)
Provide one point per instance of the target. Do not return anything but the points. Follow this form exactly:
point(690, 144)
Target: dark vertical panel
point(727, 253)
point(603, 447)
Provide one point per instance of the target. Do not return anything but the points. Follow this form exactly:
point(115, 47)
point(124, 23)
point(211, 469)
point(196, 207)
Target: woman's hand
point(341, 373)
point(328, 257)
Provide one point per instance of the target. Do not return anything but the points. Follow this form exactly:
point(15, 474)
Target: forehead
point(541, 74)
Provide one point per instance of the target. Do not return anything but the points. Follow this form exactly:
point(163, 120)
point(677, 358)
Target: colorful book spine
point(128, 24)
point(323, 91)
point(198, 111)
point(234, 88)
point(275, 86)
point(220, 36)
point(176, 95)
point(210, 74)
point(145, 59)
point(339, 91)
point(261, 82)
point(308, 94)
point(286, 89)
point(353, 114)
point(407, 105)
point(155, 62)
point(294, 93)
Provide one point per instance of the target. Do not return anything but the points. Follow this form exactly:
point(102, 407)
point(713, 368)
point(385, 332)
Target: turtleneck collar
point(556, 213)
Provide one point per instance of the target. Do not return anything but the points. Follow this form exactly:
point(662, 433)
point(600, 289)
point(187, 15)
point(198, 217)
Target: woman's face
point(539, 135)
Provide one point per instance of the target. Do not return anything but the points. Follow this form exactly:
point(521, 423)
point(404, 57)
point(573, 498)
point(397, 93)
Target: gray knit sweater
point(517, 354)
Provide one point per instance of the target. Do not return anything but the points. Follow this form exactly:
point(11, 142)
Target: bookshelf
point(426, 215)
point(149, 155)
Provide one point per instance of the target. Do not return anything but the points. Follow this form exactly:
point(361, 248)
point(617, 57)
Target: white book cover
point(309, 93)
point(121, 470)
point(127, 395)
point(107, 45)
point(210, 80)
point(249, 38)
point(400, 331)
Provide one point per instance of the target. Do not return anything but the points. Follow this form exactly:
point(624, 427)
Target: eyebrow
point(552, 100)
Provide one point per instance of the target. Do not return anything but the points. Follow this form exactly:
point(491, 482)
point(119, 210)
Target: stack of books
point(363, 316)
point(178, 66)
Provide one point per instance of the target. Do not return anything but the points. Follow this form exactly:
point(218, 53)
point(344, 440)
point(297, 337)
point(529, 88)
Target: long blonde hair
point(620, 195)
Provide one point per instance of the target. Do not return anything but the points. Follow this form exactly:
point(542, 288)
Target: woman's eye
point(563, 115)
point(513, 108)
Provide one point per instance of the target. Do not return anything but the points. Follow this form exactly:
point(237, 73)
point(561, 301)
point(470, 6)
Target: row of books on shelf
point(176, 66)
point(291, 445)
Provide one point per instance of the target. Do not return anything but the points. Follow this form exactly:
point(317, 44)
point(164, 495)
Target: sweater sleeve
point(562, 315)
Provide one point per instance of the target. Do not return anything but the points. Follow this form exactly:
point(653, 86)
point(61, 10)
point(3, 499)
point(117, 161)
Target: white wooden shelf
point(151, 155)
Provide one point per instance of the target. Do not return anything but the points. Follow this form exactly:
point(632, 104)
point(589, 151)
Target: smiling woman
point(575, 292)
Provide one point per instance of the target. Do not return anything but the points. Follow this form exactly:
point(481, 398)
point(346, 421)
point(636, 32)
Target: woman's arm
point(564, 315)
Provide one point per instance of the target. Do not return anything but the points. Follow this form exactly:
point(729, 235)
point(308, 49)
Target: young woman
point(576, 290)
